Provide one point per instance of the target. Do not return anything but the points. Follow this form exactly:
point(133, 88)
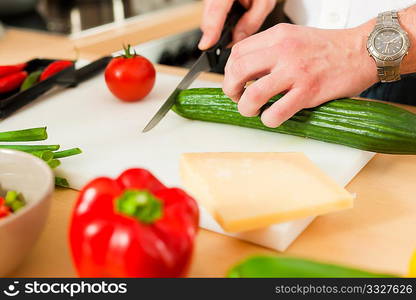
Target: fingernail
point(203, 43)
point(268, 121)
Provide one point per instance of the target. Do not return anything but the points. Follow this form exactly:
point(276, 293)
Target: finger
point(283, 109)
point(240, 70)
point(252, 20)
point(263, 39)
point(259, 93)
point(213, 19)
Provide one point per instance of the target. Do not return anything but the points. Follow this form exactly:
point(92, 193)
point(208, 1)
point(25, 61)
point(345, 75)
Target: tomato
point(130, 77)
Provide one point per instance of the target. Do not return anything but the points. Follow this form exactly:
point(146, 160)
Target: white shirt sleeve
point(333, 14)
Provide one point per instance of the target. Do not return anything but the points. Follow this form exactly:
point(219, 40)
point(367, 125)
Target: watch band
point(388, 18)
point(388, 73)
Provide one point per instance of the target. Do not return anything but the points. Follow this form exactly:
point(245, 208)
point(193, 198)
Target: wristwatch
point(388, 44)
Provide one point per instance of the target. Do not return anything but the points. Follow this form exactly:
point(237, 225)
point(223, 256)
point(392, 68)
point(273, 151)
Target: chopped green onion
point(44, 155)
point(25, 135)
point(11, 196)
point(16, 205)
point(66, 153)
point(54, 163)
point(62, 182)
point(31, 148)
point(14, 200)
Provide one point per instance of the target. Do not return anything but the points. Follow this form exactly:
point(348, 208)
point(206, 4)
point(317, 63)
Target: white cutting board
point(109, 133)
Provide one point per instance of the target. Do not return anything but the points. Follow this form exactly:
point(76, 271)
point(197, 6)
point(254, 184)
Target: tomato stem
point(128, 53)
point(141, 205)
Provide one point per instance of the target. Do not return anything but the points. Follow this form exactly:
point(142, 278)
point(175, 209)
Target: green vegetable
point(16, 205)
point(42, 151)
point(53, 163)
point(11, 196)
point(14, 200)
point(25, 135)
point(45, 155)
point(285, 267)
point(31, 148)
point(66, 153)
point(366, 125)
point(61, 182)
point(30, 80)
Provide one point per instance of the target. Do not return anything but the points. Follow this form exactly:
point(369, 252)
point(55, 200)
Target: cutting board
point(109, 133)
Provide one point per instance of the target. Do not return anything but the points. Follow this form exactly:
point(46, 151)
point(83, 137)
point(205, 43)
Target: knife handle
point(215, 52)
point(92, 69)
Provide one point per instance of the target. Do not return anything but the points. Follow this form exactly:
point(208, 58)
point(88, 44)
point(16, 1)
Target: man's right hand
point(215, 13)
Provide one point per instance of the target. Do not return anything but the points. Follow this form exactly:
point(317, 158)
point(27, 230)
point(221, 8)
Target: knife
point(69, 77)
point(210, 60)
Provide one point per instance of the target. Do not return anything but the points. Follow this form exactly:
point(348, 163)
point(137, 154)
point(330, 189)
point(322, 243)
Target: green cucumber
point(366, 125)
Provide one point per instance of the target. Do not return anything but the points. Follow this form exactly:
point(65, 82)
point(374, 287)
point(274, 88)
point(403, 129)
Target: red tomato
point(130, 77)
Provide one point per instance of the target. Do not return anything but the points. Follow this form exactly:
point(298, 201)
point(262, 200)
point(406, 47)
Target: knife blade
point(209, 60)
point(201, 65)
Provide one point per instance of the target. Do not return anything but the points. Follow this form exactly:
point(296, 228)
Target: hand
point(215, 13)
point(311, 65)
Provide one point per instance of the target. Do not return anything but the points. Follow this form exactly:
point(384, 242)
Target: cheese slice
point(245, 191)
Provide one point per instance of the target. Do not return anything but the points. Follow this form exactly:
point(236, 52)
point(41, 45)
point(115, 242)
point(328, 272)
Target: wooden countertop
point(379, 233)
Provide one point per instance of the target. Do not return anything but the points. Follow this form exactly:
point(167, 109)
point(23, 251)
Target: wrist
point(368, 67)
point(408, 22)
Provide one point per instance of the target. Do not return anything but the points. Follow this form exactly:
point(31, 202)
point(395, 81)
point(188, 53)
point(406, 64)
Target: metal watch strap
point(388, 18)
point(388, 73)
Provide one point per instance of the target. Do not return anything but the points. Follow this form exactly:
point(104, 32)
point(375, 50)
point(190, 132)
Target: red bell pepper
point(132, 226)
point(11, 82)
point(4, 209)
point(7, 70)
point(55, 67)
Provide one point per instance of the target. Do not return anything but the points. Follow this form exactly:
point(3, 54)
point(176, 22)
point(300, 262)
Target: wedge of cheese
point(245, 191)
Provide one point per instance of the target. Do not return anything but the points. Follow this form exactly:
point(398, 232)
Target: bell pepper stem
point(141, 205)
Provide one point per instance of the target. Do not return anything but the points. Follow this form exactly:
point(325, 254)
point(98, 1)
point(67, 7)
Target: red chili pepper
point(55, 67)
point(6, 70)
point(11, 82)
point(132, 226)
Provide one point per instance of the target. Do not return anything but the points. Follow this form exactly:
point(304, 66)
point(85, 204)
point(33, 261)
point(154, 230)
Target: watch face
point(388, 42)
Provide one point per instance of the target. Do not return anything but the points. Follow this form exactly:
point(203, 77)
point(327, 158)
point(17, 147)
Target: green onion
point(16, 205)
point(42, 151)
point(11, 196)
point(31, 148)
point(53, 163)
point(25, 135)
point(14, 200)
point(62, 182)
point(44, 155)
point(66, 153)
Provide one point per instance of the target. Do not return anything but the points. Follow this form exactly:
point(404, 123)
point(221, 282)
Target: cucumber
point(366, 125)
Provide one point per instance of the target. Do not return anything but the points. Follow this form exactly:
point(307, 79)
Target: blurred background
point(72, 16)
point(83, 17)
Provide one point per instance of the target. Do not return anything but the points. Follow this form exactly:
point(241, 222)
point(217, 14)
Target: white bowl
point(33, 178)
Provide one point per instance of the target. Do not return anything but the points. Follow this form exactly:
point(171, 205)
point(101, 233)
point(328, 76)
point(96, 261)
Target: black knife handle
point(92, 69)
point(67, 78)
point(215, 52)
